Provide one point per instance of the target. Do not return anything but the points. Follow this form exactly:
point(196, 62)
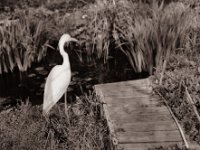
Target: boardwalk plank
point(144, 126)
point(142, 109)
point(146, 146)
point(123, 92)
point(152, 136)
point(126, 109)
point(141, 82)
point(153, 100)
point(140, 118)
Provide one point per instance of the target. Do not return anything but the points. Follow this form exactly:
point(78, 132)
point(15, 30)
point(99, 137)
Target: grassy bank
point(24, 127)
point(183, 73)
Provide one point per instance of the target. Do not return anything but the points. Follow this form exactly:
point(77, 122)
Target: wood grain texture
point(146, 146)
point(144, 127)
point(137, 118)
point(149, 137)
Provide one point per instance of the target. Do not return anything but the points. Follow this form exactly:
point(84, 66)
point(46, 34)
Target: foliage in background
point(21, 43)
point(145, 32)
point(50, 4)
point(148, 37)
point(94, 33)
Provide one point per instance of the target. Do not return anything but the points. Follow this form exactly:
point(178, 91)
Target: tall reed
point(147, 38)
point(145, 33)
point(21, 43)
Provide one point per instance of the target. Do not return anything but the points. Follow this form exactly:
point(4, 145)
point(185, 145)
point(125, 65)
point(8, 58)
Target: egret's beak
point(73, 39)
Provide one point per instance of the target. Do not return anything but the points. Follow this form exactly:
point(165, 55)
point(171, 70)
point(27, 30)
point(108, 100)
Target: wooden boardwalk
point(137, 119)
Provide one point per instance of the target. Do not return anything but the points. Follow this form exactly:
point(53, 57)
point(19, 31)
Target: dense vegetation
point(159, 37)
point(138, 30)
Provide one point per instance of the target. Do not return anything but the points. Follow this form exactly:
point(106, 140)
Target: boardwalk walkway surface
point(138, 120)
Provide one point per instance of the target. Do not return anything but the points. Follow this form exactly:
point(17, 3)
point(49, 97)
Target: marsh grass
point(21, 43)
point(24, 127)
point(147, 40)
point(26, 40)
point(94, 27)
point(145, 33)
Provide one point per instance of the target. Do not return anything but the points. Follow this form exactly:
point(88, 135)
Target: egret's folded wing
point(56, 85)
point(48, 103)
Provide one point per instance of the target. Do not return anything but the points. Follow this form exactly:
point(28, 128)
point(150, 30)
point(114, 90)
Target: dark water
point(30, 84)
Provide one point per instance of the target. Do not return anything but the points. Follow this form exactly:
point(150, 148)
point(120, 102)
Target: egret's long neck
point(64, 54)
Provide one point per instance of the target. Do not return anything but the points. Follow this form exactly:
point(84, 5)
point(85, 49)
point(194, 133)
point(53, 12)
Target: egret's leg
point(46, 116)
point(66, 108)
point(59, 110)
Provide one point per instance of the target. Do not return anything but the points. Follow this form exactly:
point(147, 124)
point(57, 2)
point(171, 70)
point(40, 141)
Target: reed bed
point(145, 33)
point(147, 40)
point(21, 43)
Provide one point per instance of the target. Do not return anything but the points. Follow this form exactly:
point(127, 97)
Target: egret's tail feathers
point(47, 107)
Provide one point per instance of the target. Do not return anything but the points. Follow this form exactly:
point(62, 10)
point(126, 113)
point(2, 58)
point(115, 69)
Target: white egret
point(58, 79)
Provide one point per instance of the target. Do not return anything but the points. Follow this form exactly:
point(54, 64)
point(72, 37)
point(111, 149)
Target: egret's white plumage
point(58, 79)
